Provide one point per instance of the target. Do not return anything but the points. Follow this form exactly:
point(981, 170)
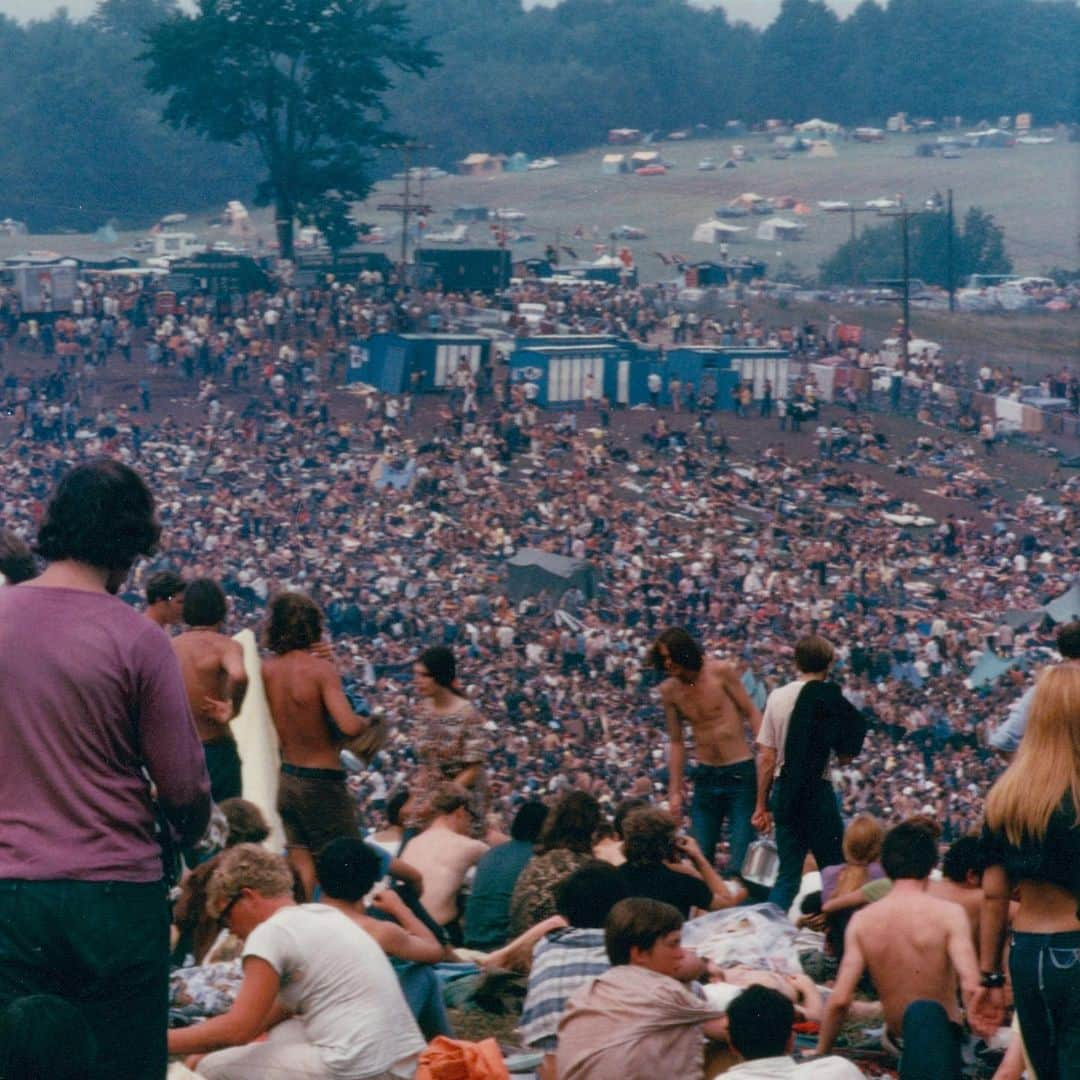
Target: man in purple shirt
point(93, 702)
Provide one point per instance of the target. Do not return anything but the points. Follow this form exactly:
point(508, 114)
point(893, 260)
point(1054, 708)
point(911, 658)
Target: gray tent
point(531, 571)
point(1066, 607)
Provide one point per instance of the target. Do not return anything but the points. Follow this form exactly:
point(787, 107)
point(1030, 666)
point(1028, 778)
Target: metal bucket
point(762, 863)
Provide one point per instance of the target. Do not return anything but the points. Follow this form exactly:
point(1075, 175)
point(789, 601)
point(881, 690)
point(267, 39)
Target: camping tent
point(531, 571)
point(1066, 607)
point(613, 164)
point(822, 148)
point(778, 228)
point(817, 127)
point(714, 232)
point(518, 162)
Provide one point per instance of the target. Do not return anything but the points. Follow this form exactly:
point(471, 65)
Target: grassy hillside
point(1030, 190)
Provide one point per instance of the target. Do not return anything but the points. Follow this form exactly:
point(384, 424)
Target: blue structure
point(560, 364)
point(715, 370)
point(389, 361)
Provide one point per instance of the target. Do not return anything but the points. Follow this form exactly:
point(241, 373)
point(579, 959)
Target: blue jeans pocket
point(1064, 959)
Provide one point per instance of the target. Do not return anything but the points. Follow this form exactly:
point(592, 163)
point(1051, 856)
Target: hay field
point(1033, 191)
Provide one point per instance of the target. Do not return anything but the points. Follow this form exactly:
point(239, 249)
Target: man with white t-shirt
point(759, 1031)
point(322, 986)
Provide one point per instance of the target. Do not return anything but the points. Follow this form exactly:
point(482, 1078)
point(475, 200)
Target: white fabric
point(778, 1068)
point(257, 743)
point(339, 981)
point(776, 717)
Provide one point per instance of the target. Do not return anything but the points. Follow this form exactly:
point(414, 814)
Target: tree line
point(84, 139)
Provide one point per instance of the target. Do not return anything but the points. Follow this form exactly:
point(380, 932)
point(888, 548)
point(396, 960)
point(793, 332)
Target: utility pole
point(904, 216)
point(951, 272)
point(406, 207)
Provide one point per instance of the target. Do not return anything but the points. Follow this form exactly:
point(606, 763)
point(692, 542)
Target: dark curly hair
point(295, 623)
point(204, 603)
point(649, 836)
point(571, 823)
point(102, 514)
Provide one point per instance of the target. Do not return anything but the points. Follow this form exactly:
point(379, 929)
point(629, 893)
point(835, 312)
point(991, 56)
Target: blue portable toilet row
point(389, 361)
point(563, 372)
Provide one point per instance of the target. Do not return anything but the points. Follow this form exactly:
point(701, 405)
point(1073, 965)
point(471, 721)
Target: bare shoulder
point(669, 689)
point(723, 669)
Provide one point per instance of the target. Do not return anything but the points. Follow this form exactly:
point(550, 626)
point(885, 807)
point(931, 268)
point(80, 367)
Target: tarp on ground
point(1016, 618)
point(532, 570)
point(989, 669)
point(1066, 607)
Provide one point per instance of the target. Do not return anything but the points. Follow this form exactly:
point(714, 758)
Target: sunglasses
point(226, 911)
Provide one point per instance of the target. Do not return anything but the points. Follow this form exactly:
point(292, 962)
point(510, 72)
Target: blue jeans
point(103, 946)
point(816, 826)
point(724, 792)
point(931, 1043)
point(1045, 971)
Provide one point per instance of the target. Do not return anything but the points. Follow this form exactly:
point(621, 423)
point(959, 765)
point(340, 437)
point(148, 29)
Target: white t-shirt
point(339, 982)
point(780, 1068)
point(777, 715)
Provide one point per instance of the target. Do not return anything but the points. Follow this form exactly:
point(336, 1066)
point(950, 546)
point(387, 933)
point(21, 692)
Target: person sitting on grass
point(319, 984)
point(759, 1031)
point(347, 870)
point(638, 1021)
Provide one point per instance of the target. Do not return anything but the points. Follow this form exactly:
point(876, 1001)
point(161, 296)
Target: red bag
point(453, 1059)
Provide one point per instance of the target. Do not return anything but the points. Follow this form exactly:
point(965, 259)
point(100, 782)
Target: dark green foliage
point(978, 249)
point(301, 79)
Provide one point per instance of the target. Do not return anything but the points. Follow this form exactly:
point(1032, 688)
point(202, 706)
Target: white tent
point(778, 228)
point(713, 232)
point(822, 148)
point(613, 164)
point(817, 127)
point(645, 157)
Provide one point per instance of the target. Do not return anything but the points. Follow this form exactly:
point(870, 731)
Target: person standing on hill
point(216, 681)
point(100, 752)
point(708, 695)
point(313, 718)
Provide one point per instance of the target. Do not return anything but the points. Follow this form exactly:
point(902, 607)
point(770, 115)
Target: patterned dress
point(445, 746)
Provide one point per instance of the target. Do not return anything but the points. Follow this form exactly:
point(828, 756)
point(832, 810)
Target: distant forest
point(81, 141)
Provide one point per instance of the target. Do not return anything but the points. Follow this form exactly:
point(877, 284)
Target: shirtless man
point(918, 951)
point(445, 852)
point(313, 718)
point(213, 668)
point(709, 695)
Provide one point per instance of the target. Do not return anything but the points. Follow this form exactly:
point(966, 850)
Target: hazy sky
point(759, 12)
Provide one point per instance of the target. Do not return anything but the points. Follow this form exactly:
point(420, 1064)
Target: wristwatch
point(992, 980)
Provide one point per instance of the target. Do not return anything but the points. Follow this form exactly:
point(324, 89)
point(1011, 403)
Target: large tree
point(303, 79)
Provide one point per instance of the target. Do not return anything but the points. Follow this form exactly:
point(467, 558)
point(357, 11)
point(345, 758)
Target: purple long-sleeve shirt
point(90, 694)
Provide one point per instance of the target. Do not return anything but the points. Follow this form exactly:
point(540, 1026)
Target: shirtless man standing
point(213, 668)
point(709, 695)
point(918, 951)
point(313, 718)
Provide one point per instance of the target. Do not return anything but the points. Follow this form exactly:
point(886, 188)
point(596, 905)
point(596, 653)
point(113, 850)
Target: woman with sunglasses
point(320, 984)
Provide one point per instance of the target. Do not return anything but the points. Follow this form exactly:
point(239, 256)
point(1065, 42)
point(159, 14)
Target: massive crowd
point(397, 518)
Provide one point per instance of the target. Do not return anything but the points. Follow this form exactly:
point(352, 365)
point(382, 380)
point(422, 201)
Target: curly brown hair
point(295, 623)
point(247, 866)
point(648, 836)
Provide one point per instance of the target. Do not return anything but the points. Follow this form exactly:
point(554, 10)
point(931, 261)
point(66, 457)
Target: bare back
point(213, 668)
point(305, 697)
point(714, 706)
point(909, 944)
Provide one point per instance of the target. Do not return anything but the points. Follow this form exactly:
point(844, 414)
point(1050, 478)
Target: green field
point(1031, 190)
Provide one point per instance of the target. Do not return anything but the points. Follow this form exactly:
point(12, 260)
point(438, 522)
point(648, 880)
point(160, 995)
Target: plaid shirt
point(562, 962)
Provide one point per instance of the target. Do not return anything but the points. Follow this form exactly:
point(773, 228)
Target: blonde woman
point(1032, 835)
point(311, 974)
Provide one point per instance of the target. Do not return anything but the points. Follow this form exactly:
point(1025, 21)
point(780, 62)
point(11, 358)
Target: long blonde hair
point(1047, 765)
